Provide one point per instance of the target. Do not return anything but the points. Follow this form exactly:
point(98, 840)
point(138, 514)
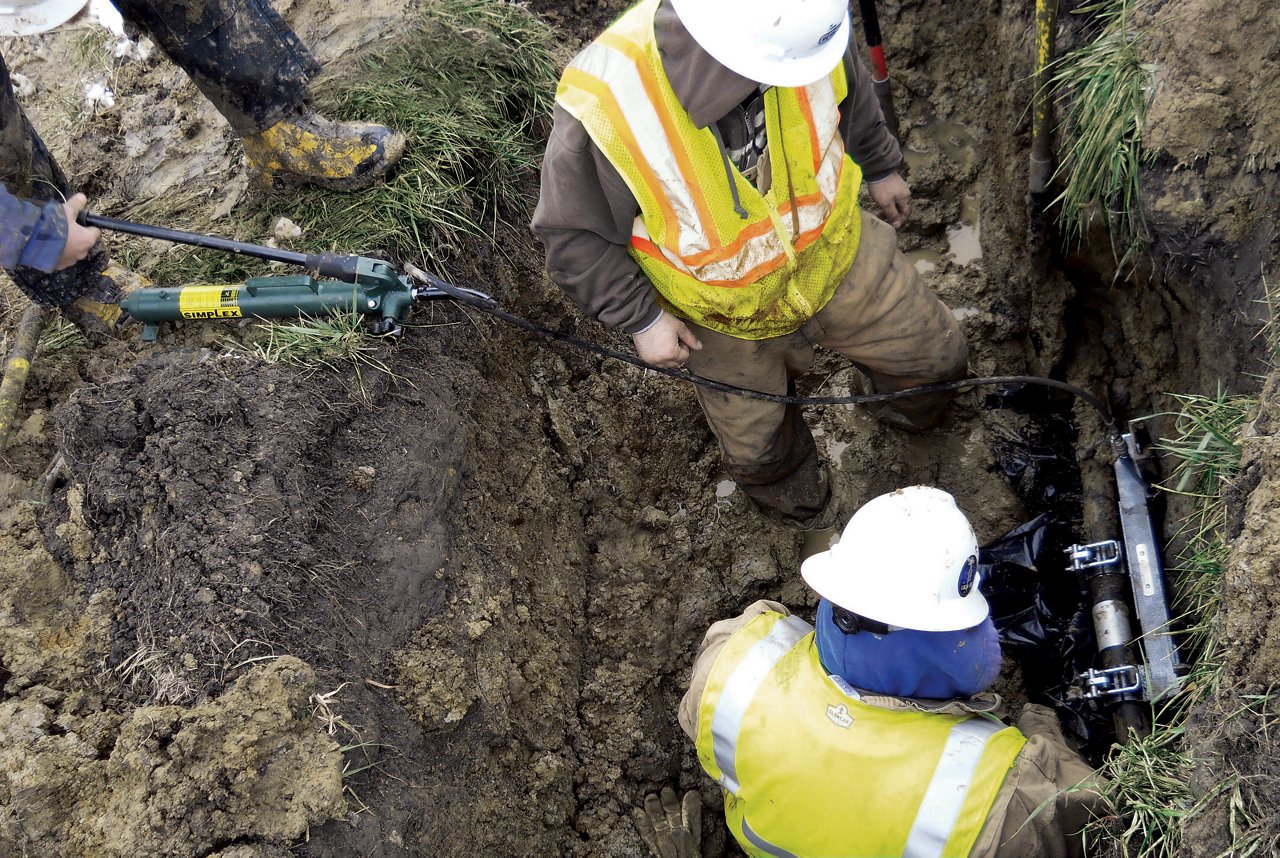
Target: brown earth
point(484, 579)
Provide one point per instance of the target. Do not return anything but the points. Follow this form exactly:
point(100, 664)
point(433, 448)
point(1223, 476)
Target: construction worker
point(873, 734)
point(700, 192)
point(248, 62)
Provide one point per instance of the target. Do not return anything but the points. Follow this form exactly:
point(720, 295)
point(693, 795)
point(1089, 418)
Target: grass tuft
point(471, 86)
point(329, 342)
point(1110, 90)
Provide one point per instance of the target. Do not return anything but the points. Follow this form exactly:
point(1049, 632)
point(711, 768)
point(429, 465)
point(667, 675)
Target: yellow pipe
point(1042, 101)
point(18, 365)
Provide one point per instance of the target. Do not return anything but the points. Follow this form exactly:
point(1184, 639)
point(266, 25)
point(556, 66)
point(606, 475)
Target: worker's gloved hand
point(80, 239)
point(893, 198)
point(666, 343)
point(669, 828)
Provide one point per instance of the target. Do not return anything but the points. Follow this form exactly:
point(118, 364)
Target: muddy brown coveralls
point(882, 316)
point(240, 53)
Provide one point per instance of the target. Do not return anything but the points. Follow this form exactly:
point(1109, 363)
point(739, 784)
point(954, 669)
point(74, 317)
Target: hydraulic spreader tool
point(331, 283)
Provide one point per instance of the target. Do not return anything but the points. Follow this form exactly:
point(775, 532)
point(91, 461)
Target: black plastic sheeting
point(1040, 607)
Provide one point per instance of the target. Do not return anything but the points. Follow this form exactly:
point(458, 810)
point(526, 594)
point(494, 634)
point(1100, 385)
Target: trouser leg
point(894, 328)
point(767, 447)
point(240, 53)
point(30, 172)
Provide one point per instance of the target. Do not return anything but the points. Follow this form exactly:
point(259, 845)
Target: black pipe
point(338, 266)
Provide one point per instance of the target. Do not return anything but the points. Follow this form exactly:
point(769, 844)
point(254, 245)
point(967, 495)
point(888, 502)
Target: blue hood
point(909, 663)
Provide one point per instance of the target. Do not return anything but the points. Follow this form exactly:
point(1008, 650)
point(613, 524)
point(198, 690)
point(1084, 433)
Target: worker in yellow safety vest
point(873, 734)
point(700, 192)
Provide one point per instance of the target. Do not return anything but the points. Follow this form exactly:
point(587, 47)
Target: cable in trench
point(489, 306)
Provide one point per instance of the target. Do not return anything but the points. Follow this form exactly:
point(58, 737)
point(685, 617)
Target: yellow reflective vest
point(809, 770)
point(725, 256)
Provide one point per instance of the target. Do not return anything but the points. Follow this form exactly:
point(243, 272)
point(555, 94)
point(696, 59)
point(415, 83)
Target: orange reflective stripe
point(816, 198)
point(754, 231)
point(802, 97)
point(732, 249)
point(604, 98)
point(674, 139)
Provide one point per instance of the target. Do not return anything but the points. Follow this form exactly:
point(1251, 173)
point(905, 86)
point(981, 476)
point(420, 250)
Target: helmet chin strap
point(850, 623)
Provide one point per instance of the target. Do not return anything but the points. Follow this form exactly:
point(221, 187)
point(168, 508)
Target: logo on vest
point(840, 716)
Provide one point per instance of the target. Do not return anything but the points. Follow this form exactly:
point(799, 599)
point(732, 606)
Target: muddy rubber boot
point(97, 312)
point(309, 149)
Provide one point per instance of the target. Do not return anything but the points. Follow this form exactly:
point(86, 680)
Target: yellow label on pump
point(210, 302)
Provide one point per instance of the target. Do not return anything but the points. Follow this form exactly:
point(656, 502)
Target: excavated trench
point(496, 565)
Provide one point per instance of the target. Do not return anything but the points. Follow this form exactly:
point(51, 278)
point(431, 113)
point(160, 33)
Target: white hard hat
point(775, 42)
point(909, 559)
point(27, 17)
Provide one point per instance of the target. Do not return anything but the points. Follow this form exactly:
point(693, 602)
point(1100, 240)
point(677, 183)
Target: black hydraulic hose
point(491, 307)
point(338, 266)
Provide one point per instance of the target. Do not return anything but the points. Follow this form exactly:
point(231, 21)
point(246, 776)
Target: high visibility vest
point(759, 273)
point(808, 770)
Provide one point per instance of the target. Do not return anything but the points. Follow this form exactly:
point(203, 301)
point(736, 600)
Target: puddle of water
point(962, 313)
point(924, 260)
point(724, 488)
point(951, 139)
point(965, 237)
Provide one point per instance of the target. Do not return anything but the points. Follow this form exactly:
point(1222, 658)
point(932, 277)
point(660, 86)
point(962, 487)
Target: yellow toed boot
point(307, 148)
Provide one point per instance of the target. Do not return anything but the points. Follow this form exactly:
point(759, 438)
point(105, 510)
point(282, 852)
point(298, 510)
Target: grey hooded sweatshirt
point(586, 211)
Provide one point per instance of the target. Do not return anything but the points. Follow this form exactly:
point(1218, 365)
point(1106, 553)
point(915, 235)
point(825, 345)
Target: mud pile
point(450, 609)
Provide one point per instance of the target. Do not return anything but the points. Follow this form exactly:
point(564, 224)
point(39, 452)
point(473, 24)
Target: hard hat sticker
point(210, 302)
point(968, 575)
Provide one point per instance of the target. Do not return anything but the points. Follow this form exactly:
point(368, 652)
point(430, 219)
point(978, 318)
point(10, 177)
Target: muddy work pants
point(883, 318)
point(29, 172)
point(240, 53)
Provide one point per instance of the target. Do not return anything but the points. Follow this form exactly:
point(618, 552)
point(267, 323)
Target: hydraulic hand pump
point(334, 283)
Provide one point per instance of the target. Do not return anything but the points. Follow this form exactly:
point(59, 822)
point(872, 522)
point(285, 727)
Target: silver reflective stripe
point(763, 845)
point(741, 687)
point(946, 793)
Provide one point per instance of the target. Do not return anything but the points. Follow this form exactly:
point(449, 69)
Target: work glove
point(669, 828)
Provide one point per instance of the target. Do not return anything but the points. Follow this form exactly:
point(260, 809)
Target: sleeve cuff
point(880, 177)
point(48, 240)
point(649, 323)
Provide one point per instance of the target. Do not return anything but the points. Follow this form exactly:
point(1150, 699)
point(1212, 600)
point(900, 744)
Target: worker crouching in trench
point(872, 732)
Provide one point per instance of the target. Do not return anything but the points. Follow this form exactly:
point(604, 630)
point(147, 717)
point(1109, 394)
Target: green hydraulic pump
point(333, 283)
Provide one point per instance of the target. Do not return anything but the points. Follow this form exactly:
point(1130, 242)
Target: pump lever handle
point(337, 266)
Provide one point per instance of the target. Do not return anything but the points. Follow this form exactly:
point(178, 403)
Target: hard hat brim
point(39, 17)
point(832, 579)
point(726, 48)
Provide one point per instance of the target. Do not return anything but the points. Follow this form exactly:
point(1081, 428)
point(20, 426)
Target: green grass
point(1109, 89)
point(330, 342)
point(471, 86)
